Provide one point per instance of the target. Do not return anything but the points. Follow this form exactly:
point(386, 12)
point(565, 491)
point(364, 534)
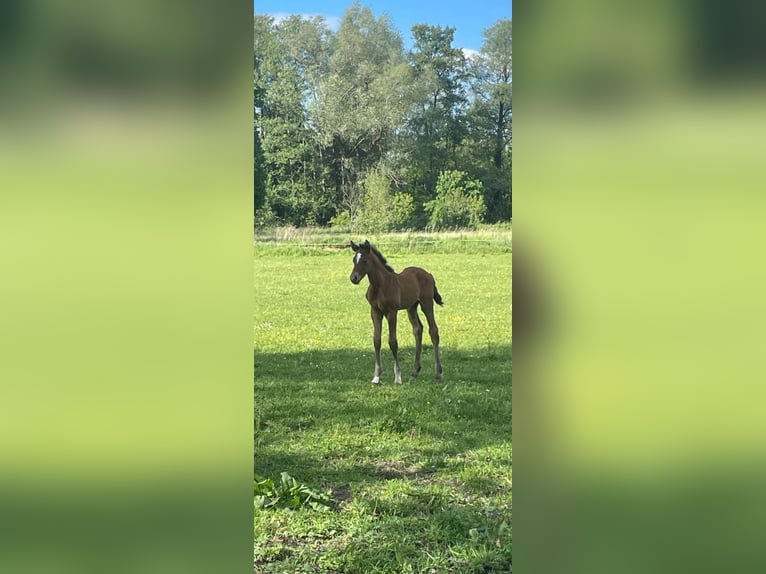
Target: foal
point(390, 292)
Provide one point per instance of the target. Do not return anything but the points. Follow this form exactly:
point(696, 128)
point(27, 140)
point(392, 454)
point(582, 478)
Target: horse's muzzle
point(355, 279)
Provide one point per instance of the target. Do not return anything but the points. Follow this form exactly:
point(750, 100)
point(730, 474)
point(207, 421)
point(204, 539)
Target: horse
point(388, 293)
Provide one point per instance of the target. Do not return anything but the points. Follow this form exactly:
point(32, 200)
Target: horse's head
point(362, 256)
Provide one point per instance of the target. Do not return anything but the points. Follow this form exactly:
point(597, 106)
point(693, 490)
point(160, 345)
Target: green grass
point(419, 474)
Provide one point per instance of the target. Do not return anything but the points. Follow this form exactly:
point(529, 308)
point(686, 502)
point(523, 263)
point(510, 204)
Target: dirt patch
point(341, 494)
point(389, 469)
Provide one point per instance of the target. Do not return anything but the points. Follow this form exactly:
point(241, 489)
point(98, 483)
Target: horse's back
point(417, 273)
point(422, 282)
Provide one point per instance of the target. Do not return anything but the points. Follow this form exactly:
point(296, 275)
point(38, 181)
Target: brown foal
point(388, 293)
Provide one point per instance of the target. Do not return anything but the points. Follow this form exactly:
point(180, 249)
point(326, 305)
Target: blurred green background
point(125, 300)
point(639, 175)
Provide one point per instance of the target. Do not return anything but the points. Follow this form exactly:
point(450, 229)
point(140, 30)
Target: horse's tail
point(437, 296)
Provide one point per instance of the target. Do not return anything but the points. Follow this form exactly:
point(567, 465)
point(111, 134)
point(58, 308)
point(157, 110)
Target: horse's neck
point(378, 274)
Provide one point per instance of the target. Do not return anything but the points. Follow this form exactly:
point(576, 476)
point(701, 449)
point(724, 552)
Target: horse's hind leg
point(428, 308)
point(377, 328)
point(394, 345)
point(417, 331)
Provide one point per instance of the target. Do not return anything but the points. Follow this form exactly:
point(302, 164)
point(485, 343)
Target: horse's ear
point(366, 244)
point(353, 246)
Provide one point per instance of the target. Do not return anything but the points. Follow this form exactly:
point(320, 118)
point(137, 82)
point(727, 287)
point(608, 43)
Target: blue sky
point(469, 17)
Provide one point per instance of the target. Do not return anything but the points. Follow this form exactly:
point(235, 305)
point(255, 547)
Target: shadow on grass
point(316, 411)
point(456, 537)
point(427, 463)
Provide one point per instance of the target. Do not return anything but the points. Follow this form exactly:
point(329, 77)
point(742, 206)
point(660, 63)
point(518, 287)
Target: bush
point(287, 493)
point(402, 211)
point(341, 221)
point(458, 203)
point(381, 210)
point(264, 217)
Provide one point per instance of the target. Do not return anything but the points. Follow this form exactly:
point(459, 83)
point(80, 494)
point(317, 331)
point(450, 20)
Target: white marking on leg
point(397, 374)
point(376, 380)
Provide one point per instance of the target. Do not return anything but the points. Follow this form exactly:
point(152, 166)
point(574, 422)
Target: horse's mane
point(382, 259)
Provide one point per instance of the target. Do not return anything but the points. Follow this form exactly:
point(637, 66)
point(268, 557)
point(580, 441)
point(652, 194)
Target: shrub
point(287, 493)
point(265, 217)
point(341, 221)
point(381, 210)
point(458, 202)
point(402, 211)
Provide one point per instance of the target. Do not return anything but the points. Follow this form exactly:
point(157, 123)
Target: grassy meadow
point(417, 477)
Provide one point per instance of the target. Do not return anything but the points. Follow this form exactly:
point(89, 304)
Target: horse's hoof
point(375, 380)
point(438, 376)
point(398, 382)
point(415, 372)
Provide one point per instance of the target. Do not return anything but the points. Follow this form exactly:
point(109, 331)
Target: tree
point(490, 117)
point(498, 56)
point(259, 173)
point(289, 57)
point(436, 125)
point(262, 38)
point(362, 100)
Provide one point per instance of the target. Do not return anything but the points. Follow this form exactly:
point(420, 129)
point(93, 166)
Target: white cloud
point(470, 54)
point(333, 22)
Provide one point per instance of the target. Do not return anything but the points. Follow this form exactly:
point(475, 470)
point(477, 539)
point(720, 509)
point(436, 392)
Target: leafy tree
point(290, 56)
point(458, 202)
point(490, 118)
point(437, 122)
point(498, 58)
point(362, 100)
point(259, 173)
point(262, 45)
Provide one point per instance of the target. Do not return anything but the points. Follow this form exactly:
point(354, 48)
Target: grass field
point(419, 474)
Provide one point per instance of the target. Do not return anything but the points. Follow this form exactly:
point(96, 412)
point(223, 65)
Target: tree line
point(352, 130)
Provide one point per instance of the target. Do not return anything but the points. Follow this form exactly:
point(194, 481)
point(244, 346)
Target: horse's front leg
point(377, 328)
point(394, 345)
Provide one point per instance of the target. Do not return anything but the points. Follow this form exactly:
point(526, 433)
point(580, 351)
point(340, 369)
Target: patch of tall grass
point(324, 241)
